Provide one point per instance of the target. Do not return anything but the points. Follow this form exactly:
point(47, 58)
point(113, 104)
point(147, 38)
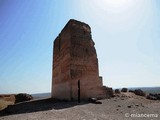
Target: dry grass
point(6, 100)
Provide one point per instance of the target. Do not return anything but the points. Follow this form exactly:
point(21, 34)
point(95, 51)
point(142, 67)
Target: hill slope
point(124, 106)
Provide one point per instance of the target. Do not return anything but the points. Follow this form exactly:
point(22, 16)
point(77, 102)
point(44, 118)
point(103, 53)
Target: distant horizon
point(107, 86)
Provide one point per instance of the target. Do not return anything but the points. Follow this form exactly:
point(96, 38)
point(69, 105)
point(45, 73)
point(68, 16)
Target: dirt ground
point(125, 106)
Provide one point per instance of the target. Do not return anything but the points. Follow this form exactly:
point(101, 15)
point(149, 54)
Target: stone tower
point(75, 58)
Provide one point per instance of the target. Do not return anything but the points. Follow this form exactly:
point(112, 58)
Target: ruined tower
point(75, 58)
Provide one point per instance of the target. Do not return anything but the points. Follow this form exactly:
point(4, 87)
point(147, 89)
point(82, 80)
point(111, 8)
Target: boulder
point(129, 106)
point(131, 91)
point(21, 97)
point(153, 96)
point(109, 91)
point(124, 90)
point(139, 92)
point(157, 96)
point(117, 91)
point(94, 100)
point(150, 97)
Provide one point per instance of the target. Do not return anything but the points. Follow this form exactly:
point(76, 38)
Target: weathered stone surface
point(157, 96)
point(116, 91)
point(75, 59)
point(109, 91)
point(153, 96)
point(132, 91)
point(124, 90)
point(139, 92)
point(21, 97)
point(94, 100)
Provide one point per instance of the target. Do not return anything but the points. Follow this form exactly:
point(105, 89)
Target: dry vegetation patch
point(6, 100)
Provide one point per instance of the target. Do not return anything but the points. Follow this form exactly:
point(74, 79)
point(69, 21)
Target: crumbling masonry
point(75, 58)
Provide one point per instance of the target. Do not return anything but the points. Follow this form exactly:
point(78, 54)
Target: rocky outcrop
point(21, 97)
point(132, 91)
point(94, 100)
point(124, 90)
point(150, 97)
point(153, 96)
point(157, 96)
point(109, 91)
point(75, 59)
point(139, 92)
point(117, 91)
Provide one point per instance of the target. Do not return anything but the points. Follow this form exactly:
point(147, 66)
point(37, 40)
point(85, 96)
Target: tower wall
point(75, 58)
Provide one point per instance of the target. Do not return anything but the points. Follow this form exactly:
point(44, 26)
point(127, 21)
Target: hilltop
point(124, 106)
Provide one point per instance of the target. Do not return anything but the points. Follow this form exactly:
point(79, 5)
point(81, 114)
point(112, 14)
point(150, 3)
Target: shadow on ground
point(38, 105)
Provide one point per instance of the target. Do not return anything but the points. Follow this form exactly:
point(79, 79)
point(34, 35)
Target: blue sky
point(126, 35)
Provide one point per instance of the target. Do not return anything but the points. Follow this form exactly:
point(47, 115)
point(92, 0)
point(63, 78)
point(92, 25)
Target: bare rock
point(94, 100)
point(136, 105)
point(132, 91)
point(158, 96)
point(119, 105)
point(109, 91)
point(153, 96)
point(117, 91)
point(139, 92)
point(124, 90)
point(150, 97)
point(21, 97)
point(129, 106)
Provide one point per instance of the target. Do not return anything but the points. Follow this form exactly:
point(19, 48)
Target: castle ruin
point(75, 59)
